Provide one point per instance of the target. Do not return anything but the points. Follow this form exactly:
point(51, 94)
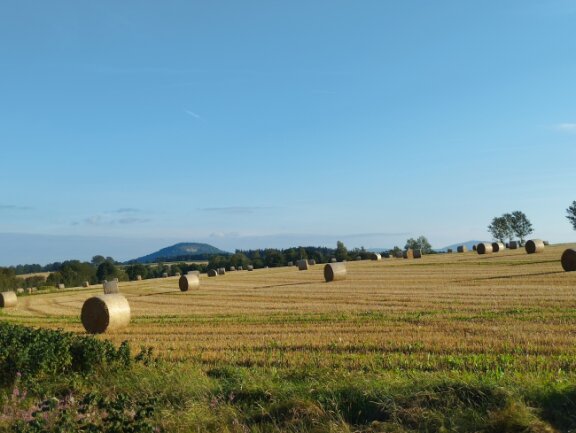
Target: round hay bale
point(513, 245)
point(221, 271)
point(408, 254)
point(462, 249)
point(303, 265)
point(19, 291)
point(333, 260)
point(103, 313)
point(232, 268)
point(290, 264)
point(250, 268)
point(484, 248)
point(417, 254)
point(311, 262)
point(474, 247)
point(497, 247)
point(29, 290)
point(60, 286)
point(8, 299)
point(86, 284)
point(568, 260)
point(188, 281)
point(138, 277)
point(334, 272)
point(165, 275)
point(534, 246)
point(212, 272)
point(376, 256)
point(240, 268)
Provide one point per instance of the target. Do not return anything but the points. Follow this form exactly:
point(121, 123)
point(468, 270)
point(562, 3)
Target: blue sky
point(127, 126)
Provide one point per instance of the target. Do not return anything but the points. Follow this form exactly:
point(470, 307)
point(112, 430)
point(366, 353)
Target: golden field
point(504, 312)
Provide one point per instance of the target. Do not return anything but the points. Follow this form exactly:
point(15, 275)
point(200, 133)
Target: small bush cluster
point(35, 354)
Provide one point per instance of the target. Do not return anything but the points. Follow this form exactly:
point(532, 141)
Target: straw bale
point(250, 268)
point(568, 260)
point(111, 287)
point(19, 291)
point(534, 246)
point(188, 281)
point(311, 262)
point(212, 272)
point(103, 313)
point(138, 277)
point(484, 248)
point(462, 249)
point(8, 299)
point(303, 265)
point(60, 286)
point(334, 272)
point(333, 260)
point(408, 254)
point(86, 284)
point(376, 256)
point(221, 271)
point(240, 268)
point(513, 245)
point(232, 268)
point(290, 264)
point(497, 247)
point(165, 275)
point(474, 247)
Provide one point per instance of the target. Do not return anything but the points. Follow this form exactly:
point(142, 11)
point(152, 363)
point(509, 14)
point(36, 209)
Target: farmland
point(501, 322)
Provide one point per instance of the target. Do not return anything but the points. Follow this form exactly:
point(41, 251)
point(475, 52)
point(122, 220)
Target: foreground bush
point(34, 354)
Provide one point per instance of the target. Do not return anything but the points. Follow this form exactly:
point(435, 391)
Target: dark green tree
point(520, 225)
point(341, 252)
point(500, 228)
point(421, 243)
point(106, 271)
point(571, 214)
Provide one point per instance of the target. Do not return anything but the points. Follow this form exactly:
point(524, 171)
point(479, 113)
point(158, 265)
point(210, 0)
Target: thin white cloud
point(235, 209)
point(194, 115)
point(566, 127)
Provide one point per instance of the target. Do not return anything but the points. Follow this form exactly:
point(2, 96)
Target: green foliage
point(571, 214)
point(421, 244)
point(341, 252)
point(500, 228)
point(92, 413)
point(520, 225)
point(509, 224)
point(34, 354)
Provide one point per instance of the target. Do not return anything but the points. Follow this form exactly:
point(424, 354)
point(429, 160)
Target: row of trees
point(509, 225)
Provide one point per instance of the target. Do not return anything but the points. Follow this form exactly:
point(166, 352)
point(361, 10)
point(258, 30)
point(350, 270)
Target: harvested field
point(464, 311)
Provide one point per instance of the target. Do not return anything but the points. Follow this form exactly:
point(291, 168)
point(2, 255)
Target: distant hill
point(469, 245)
point(184, 251)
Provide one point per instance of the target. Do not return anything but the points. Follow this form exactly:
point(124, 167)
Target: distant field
point(453, 312)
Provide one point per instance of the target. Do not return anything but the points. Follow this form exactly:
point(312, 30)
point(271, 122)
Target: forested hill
point(181, 252)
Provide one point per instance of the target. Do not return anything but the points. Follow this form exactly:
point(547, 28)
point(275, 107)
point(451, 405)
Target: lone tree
point(571, 214)
point(500, 228)
point(520, 225)
point(421, 244)
point(341, 251)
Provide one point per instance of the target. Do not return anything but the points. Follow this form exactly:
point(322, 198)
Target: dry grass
point(508, 311)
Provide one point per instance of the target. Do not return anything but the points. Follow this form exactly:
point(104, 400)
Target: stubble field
point(508, 318)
